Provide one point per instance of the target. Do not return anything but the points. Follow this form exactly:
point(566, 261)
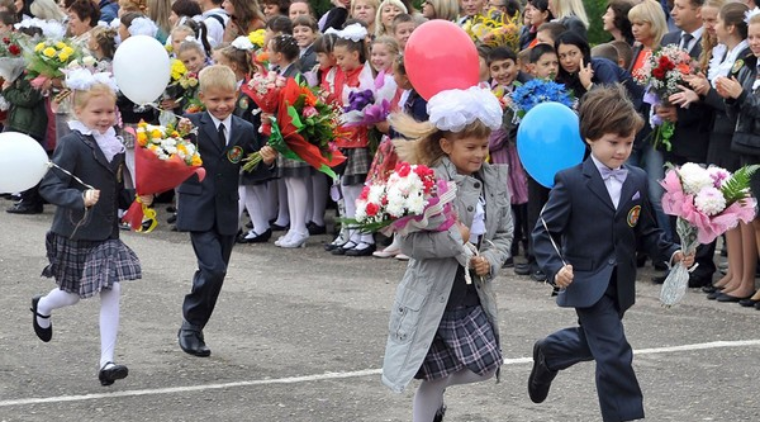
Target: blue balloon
point(548, 141)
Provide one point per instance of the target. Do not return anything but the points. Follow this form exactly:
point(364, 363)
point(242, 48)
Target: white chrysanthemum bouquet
point(708, 202)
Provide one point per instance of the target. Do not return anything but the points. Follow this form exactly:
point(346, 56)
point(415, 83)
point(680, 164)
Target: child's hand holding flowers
point(268, 155)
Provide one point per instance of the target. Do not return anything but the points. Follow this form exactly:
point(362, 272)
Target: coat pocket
point(405, 315)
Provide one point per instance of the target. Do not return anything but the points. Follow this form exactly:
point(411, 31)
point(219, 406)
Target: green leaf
point(296, 119)
point(735, 188)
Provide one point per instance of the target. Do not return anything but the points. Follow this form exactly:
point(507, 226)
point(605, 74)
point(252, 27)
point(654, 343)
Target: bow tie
point(619, 174)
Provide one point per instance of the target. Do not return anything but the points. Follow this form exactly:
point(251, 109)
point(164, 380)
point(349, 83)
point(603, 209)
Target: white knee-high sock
point(350, 194)
point(428, 399)
point(56, 299)
point(256, 202)
point(243, 196)
point(318, 198)
point(297, 202)
point(109, 322)
point(283, 218)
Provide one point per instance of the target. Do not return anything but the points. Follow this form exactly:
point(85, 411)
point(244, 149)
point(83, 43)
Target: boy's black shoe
point(541, 377)
point(522, 269)
point(22, 208)
point(538, 276)
point(172, 219)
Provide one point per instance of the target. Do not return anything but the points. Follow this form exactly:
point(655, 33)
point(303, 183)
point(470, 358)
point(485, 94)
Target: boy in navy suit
point(596, 214)
point(209, 209)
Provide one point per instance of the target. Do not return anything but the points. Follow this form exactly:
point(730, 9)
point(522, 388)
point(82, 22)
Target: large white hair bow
point(454, 109)
point(354, 32)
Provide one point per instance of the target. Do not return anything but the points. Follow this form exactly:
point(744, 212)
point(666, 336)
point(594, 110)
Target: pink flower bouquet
point(708, 202)
point(411, 200)
point(370, 107)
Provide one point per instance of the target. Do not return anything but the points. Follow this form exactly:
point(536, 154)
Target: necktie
point(619, 174)
point(686, 39)
point(220, 134)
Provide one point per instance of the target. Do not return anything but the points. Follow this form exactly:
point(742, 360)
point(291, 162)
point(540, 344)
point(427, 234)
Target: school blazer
point(594, 237)
point(80, 155)
point(212, 204)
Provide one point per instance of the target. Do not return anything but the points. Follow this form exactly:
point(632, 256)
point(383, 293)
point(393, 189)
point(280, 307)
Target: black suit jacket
point(80, 155)
point(594, 237)
point(213, 203)
point(692, 135)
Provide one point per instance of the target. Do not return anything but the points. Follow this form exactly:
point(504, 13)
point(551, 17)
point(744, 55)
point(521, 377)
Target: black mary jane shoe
point(109, 374)
point(362, 249)
point(44, 334)
point(342, 249)
point(278, 228)
point(748, 303)
point(253, 237)
point(316, 229)
point(440, 413)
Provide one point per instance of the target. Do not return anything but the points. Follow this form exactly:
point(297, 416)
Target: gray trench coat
point(423, 293)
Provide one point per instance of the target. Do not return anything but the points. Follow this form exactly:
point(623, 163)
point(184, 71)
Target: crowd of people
point(349, 48)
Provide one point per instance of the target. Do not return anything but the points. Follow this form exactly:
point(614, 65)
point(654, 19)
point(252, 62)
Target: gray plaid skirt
point(292, 168)
point(86, 267)
point(357, 166)
point(464, 339)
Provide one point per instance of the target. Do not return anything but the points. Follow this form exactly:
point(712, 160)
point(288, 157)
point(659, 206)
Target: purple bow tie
point(619, 174)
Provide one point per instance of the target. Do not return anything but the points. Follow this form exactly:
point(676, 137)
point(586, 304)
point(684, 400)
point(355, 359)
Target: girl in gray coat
point(443, 329)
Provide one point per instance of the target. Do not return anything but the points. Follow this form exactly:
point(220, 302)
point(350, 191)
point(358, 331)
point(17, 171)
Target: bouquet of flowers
point(411, 200)
point(47, 60)
point(12, 62)
point(708, 202)
point(368, 107)
point(661, 74)
point(163, 160)
point(495, 29)
point(257, 38)
point(301, 127)
point(538, 91)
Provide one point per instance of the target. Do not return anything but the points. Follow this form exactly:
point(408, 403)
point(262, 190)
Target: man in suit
point(692, 125)
point(208, 209)
point(598, 212)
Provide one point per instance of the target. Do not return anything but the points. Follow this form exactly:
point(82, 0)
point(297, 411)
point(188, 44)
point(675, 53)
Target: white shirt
point(614, 186)
point(697, 35)
point(215, 29)
point(227, 126)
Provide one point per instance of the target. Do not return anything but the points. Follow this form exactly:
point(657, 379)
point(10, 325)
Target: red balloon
point(440, 56)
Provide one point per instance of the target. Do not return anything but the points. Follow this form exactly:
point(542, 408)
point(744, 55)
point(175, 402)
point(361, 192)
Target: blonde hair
point(424, 144)
point(564, 8)
point(753, 20)
point(445, 9)
point(379, 26)
point(138, 6)
point(158, 12)
point(389, 42)
point(105, 38)
point(650, 11)
point(373, 3)
point(183, 28)
point(241, 58)
point(217, 77)
point(47, 10)
point(709, 41)
point(81, 98)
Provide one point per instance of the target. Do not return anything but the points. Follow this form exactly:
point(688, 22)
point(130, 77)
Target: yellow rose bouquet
point(47, 59)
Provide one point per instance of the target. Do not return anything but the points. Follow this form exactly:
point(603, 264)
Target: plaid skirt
point(357, 166)
point(86, 267)
point(292, 168)
point(464, 339)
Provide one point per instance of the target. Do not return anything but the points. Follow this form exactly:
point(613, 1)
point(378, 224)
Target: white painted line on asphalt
point(328, 376)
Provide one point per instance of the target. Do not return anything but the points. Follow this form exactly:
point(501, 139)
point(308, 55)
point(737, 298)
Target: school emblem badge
point(235, 154)
point(243, 103)
point(633, 216)
point(737, 66)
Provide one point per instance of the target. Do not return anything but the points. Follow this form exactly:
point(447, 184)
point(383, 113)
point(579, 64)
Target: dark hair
point(353, 46)
point(286, 45)
point(401, 18)
point(607, 110)
point(501, 53)
point(201, 33)
point(542, 6)
point(625, 52)
point(8, 18)
point(85, 9)
point(67, 4)
point(280, 24)
point(484, 51)
point(242, 58)
point(573, 38)
point(26, 11)
point(188, 8)
point(399, 65)
point(306, 20)
point(127, 18)
point(620, 9)
point(733, 14)
point(283, 5)
point(539, 50)
point(514, 7)
point(106, 40)
point(554, 29)
point(325, 43)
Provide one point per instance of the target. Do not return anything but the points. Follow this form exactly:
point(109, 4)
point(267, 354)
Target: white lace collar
point(720, 66)
point(108, 142)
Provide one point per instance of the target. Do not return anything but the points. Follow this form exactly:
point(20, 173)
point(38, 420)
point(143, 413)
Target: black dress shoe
point(440, 413)
point(695, 282)
point(249, 225)
point(710, 288)
point(660, 266)
point(522, 269)
point(315, 229)
point(659, 279)
point(538, 276)
point(362, 249)
point(172, 219)
point(253, 237)
point(641, 260)
point(22, 208)
point(44, 334)
point(278, 228)
point(748, 303)
point(171, 209)
point(714, 295)
point(112, 372)
point(191, 342)
point(541, 377)
point(727, 298)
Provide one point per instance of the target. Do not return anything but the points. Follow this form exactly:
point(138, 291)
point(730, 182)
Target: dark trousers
point(522, 230)
point(213, 253)
point(538, 195)
point(600, 337)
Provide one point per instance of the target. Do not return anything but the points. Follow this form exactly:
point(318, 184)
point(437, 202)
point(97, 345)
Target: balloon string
point(52, 164)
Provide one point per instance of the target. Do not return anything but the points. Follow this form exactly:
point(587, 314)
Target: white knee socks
point(56, 299)
point(350, 194)
point(429, 396)
point(109, 322)
point(297, 201)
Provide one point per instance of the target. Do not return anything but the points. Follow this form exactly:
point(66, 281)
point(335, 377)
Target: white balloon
point(23, 162)
point(142, 69)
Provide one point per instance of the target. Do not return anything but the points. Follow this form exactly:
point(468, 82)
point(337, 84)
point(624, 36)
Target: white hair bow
point(82, 79)
point(354, 32)
point(454, 109)
point(242, 43)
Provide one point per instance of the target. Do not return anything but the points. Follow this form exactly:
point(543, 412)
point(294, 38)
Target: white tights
point(297, 201)
point(255, 199)
point(109, 315)
point(429, 396)
point(315, 210)
point(351, 194)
